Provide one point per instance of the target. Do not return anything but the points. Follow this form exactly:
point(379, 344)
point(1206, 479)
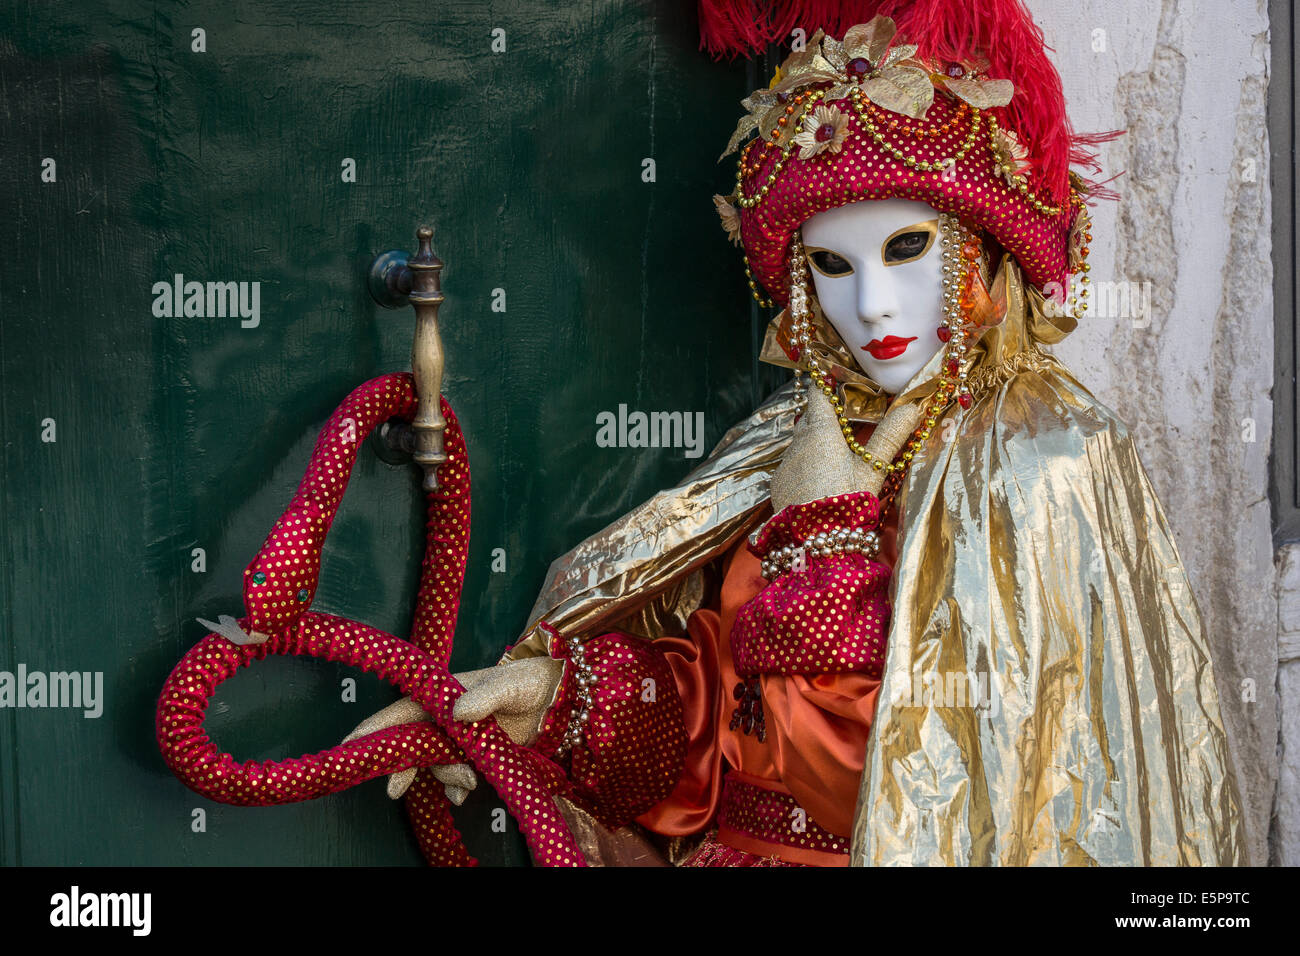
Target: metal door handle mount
point(396, 279)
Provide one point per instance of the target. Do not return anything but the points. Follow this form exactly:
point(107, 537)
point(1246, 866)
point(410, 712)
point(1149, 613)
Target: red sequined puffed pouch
point(826, 609)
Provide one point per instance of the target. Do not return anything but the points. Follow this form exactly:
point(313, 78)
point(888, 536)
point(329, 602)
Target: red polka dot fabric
point(634, 744)
point(279, 586)
point(280, 582)
point(194, 757)
point(771, 817)
point(830, 617)
point(526, 781)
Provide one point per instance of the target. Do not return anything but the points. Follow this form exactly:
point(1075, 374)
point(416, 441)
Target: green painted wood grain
point(183, 433)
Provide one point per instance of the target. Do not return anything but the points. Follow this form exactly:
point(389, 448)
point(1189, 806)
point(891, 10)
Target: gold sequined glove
point(516, 693)
point(819, 463)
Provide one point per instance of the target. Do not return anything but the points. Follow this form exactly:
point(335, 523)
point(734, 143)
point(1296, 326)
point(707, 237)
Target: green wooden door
point(131, 440)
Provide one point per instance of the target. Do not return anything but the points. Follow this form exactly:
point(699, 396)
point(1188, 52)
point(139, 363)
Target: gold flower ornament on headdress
point(866, 64)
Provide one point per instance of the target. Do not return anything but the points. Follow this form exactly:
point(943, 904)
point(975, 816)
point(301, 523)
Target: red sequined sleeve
point(626, 754)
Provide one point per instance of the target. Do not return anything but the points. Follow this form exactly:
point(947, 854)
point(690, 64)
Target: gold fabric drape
point(641, 571)
point(1035, 563)
point(1048, 697)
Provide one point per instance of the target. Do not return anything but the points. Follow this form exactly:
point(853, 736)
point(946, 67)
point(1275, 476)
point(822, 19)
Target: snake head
point(280, 582)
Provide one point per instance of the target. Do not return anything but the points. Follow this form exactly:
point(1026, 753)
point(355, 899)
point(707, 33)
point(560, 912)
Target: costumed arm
point(648, 702)
point(606, 709)
point(616, 724)
point(651, 728)
point(728, 487)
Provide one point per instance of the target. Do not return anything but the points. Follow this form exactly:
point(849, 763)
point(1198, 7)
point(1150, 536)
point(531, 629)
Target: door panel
point(180, 433)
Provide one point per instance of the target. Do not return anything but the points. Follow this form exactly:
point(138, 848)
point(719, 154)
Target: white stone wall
point(1188, 361)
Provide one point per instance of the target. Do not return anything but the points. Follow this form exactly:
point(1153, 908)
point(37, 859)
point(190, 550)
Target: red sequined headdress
point(949, 102)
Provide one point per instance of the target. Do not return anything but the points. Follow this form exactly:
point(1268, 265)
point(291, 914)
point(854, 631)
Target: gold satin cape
point(1048, 697)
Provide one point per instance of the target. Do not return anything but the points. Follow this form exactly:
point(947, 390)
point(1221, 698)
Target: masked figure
point(923, 606)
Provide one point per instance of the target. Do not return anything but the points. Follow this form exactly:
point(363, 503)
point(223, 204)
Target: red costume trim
point(634, 741)
point(831, 617)
point(754, 816)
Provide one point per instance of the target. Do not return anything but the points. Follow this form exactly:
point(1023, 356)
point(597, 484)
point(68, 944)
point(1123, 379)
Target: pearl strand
point(586, 680)
point(824, 544)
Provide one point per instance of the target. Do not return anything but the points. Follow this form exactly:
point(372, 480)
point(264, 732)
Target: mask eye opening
point(828, 262)
point(909, 243)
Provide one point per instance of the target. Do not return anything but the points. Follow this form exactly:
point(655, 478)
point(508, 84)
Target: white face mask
point(877, 267)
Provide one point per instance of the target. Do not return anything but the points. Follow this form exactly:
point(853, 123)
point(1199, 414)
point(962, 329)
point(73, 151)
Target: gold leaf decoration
point(799, 65)
point(746, 126)
point(903, 89)
point(873, 37)
point(893, 80)
point(982, 94)
point(730, 218)
point(898, 54)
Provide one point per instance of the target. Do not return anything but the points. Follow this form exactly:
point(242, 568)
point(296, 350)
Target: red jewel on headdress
point(964, 400)
point(858, 67)
point(825, 132)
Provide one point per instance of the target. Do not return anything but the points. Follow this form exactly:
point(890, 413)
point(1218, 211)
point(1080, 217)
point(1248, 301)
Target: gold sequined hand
point(516, 693)
point(818, 463)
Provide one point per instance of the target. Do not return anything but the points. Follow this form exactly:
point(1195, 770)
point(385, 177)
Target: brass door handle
point(395, 280)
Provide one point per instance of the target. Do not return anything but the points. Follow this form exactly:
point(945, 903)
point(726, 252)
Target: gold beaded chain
point(809, 98)
point(1079, 295)
point(744, 202)
point(961, 252)
point(898, 123)
point(1018, 182)
point(860, 103)
point(753, 286)
point(1079, 300)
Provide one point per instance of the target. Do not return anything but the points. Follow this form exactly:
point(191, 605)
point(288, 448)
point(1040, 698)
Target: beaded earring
point(1077, 245)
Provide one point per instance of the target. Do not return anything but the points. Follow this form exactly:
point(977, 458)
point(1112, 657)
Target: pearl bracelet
point(586, 680)
point(838, 541)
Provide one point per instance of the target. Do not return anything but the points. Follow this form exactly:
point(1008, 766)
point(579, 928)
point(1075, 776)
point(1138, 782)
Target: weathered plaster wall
point(1182, 345)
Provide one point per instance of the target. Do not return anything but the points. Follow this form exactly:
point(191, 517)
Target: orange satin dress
point(817, 726)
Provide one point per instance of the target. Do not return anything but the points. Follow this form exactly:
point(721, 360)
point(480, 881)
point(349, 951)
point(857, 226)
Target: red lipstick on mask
point(891, 346)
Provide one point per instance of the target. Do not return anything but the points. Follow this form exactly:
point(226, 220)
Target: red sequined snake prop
point(279, 586)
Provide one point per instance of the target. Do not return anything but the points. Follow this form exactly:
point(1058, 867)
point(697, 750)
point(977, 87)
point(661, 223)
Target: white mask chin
point(877, 267)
